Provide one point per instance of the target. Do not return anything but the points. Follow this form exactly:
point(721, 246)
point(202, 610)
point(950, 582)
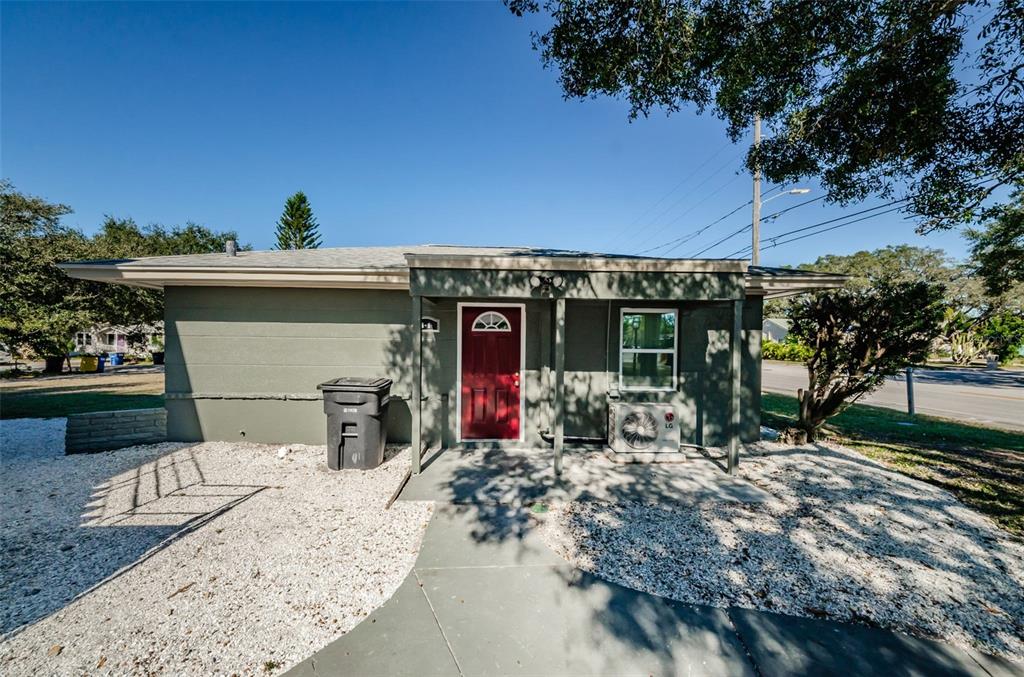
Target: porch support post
point(416, 406)
point(736, 343)
point(559, 382)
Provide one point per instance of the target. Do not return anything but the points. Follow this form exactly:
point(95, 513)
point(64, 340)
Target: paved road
point(993, 398)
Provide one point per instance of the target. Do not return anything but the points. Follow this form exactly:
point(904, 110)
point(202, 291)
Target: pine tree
point(297, 229)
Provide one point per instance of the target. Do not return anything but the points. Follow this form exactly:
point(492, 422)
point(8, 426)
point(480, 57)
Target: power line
point(694, 205)
point(751, 225)
point(674, 188)
point(707, 196)
point(690, 236)
point(774, 239)
point(824, 223)
point(825, 230)
point(628, 232)
point(693, 234)
point(811, 235)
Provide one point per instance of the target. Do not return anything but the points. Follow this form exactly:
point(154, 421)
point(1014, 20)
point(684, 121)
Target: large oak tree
point(902, 98)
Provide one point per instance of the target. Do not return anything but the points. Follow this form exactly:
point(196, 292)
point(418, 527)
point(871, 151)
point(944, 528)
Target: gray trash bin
point(356, 411)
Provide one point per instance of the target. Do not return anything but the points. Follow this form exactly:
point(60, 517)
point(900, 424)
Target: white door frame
point(522, 369)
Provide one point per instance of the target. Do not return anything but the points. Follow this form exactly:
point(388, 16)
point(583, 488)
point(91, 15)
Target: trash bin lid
point(356, 384)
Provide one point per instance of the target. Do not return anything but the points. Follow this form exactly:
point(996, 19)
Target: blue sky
point(403, 123)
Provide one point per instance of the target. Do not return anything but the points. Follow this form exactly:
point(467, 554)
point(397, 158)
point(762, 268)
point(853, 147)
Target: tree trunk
point(810, 419)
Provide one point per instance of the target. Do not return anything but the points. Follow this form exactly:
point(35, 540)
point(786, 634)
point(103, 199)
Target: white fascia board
point(775, 287)
point(156, 277)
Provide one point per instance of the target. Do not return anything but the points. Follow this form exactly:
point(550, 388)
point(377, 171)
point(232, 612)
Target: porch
point(582, 335)
point(527, 477)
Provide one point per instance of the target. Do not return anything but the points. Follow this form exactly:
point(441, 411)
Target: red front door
point(491, 359)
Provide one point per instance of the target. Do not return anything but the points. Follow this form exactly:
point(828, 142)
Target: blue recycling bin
point(116, 359)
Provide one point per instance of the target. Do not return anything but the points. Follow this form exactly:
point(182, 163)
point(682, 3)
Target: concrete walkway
point(487, 597)
point(523, 477)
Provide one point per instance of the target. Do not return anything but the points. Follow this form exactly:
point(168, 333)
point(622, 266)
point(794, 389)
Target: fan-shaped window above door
point(491, 321)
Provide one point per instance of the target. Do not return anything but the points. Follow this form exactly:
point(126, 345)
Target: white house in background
point(775, 329)
point(107, 339)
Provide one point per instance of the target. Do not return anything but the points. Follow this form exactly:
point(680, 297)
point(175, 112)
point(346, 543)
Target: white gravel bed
point(214, 558)
point(842, 538)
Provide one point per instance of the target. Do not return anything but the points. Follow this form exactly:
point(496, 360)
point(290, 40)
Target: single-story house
point(775, 329)
point(115, 339)
point(487, 346)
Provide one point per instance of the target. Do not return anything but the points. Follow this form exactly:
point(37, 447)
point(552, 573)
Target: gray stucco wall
point(701, 399)
point(243, 363)
point(240, 360)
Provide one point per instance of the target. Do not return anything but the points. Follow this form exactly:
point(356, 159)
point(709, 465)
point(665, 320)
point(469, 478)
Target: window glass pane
point(648, 330)
point(647, 370)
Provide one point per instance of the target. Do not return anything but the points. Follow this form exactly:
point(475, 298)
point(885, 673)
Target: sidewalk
point(486, 597)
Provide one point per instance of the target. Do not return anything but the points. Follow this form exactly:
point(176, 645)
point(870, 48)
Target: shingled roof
point(342, 258)
point(388, 267)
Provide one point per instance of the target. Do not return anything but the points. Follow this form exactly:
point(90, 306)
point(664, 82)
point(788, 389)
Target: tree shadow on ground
point(841, 538)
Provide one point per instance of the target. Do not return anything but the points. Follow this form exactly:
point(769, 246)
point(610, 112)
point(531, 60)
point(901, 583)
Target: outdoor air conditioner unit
point(642, 428)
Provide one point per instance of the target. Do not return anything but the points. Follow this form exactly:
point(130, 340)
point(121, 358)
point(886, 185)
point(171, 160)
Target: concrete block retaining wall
point(102, 430)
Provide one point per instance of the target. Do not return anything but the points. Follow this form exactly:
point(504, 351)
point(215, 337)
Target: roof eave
point(778, 286)
point(157, 277)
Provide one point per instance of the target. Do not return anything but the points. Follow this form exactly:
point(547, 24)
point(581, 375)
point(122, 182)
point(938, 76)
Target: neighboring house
point(107, 339)
point(487, 346)
point(775, 329)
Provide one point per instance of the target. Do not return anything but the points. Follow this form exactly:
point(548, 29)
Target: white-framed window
point(84, 339)
point(491, 321)
point(111, 339)
point(647, 348)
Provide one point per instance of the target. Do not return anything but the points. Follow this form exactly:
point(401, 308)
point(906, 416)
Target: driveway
point(994, 398)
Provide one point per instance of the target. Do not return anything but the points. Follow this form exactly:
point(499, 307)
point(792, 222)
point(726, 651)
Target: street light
point(755, 246)
point(794, 191)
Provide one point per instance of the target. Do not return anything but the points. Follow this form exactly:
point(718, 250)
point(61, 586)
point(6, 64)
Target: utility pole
point(755, 245)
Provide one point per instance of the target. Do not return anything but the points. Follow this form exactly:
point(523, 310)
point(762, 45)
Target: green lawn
point(983, 467)
point(44, 397)
point(43, 405)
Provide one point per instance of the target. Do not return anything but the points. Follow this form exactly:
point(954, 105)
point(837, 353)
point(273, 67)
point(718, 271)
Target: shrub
point(789, 351)
point(859, 337)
